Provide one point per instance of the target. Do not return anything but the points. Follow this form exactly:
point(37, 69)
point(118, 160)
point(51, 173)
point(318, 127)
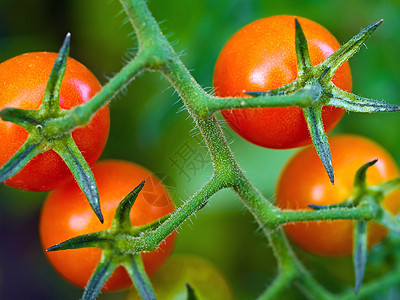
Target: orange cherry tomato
point(303, 182)
point(23, 81)
point(66, 214)
point(261, 56)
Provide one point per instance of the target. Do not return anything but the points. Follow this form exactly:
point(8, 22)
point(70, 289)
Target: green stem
point(163, 58)
point(255, 202)
point(281, 282)
point(82, 114)
point(283, 252)
point(311, 288)
point(290, 216)
point(201, 106)
point(299, 98)
point(225, 167)
point(196, 202)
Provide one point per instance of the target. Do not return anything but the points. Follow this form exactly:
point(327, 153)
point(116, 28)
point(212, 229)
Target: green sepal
point(390, 221)
point(117, 243)
point(103, 271)
point(319, 139)
point(328, 67)
point(303, 57)
point(345, 204)
point(95, 239)
point(151, 226)
point(139, 277)
point(360, 186)
point(359, 252)
point(44, 135)
point(27, 119)
point(360, 179)
point(122, 214)
point(51, 98)
point(317, 82)
point(69, 152)
point(283, 90)
point(191, 295)
point(355, 103)
point(28, 150)
point(387, 187)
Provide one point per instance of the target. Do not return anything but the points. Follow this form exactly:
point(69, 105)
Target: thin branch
point(299, 98)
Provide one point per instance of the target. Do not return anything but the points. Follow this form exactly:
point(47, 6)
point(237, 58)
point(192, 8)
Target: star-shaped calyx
point(366, 196)
point(317, 81)
point(46, 134)
point(121, 244)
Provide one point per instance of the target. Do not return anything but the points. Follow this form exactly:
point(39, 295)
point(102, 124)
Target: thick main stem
point(200, 105)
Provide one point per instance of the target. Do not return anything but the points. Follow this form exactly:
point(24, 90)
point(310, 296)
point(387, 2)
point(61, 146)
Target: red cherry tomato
point(66, 214)
point(303, 182)
point(261, 56)
point(23, 81)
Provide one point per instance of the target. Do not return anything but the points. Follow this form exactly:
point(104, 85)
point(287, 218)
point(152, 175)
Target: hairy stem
point(290, 216)
point(159, 56)
point(190, 207)
point(299, 98)
point(83, 113)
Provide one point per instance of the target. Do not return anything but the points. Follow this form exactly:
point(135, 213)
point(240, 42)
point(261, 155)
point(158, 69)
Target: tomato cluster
point(259, 57)
point(66, 213)
point(262, 56)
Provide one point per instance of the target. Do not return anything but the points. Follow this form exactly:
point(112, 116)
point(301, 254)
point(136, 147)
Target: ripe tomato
point(66, 214)
point(261, 56)
point(170, 282)
point(23, 80)
point(304, 182)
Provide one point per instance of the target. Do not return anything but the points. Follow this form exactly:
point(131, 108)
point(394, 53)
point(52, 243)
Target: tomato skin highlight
point(303, 181)
point(261, 56)
point(23, 81)
point(66, 214)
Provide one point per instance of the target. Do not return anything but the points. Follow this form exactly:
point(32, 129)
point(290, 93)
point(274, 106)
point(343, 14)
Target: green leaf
point(328, 67)
point(94, 239)
point(355, 103)
point(122, 214)
point(318, 136)
point(139, 277)
point(190, 292)
point(359, 252)
point(103, 271)
point(28, 150)
point(69, 152)
point(303, 57)
point(51, 95)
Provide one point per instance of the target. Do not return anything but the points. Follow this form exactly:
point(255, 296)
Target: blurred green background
point(148, 127)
